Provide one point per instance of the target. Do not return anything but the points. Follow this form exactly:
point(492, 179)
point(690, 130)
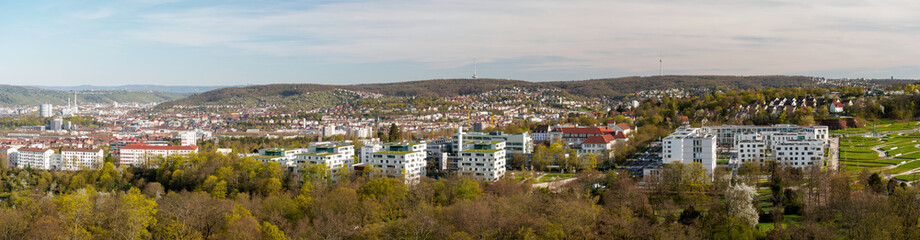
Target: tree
point(739, 199)
point(588, 161)
point(135, 213)
point(271, 232)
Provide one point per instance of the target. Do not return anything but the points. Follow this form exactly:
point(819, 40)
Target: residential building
point(725, 134)
point(337, 157)
point(285, 156)
point(541, 133)
point(188, 138)
point(11, 154)
point(139, 154)
point(38, 158)
point(515, 143)
point(690, 145)
point(80, 158)
point(400, 159)
point(484, 161)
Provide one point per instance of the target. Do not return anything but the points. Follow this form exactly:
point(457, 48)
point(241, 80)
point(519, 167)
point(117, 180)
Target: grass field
point(857, 154)
point(555, 176)
point(904, 167)
point(879, 126)
point(908, 177)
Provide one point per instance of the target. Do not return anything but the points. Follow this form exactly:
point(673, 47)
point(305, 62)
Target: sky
point(227, 42)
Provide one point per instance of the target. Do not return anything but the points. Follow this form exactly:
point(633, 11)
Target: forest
point(213, 196)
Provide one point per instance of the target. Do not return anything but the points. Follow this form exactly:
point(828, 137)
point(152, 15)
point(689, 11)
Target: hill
point(155, 88)
point(311, 95)
point(16, 96)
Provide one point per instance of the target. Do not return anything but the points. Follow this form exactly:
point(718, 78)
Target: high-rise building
point(44, 110)
point(57, 124)
point(690, 145)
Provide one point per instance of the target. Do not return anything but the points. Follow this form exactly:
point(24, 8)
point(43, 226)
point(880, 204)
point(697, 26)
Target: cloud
point(701, 37)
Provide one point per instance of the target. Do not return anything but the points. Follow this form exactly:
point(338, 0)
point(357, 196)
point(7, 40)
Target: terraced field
point(893, 155)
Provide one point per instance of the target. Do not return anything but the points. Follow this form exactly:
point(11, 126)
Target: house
point(835, 107)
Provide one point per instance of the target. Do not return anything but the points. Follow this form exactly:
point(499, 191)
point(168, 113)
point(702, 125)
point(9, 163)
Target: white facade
point(285, 156)
point(515, 143)
point(78, 158)
point(44, 110)
point(406, 160)
point(484, 161)
point(36, 158)
point(690, 145)
point(725, 134)
point(799, 153)
point(337, 157)
point(368, 150)
point(11, 154)
point(188, 138)
point(138, 154)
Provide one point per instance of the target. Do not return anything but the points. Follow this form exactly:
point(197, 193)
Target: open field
point(880, 126)
point(892, 154)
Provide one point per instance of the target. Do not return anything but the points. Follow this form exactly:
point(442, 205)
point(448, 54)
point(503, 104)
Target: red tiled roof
point(624, 126)
point(144, 146)
point(838, 104)
point(605, 139)
point(620, 135)
point(34, 149)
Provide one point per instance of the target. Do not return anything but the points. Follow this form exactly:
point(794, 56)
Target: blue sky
point(348, 42)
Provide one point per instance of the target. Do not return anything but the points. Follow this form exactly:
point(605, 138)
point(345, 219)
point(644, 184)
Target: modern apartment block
point(484, 161)
point(725, 134)
point(336, 156)
point(400, 159)
point(515, 143)
point(690, 145)
point(794, 146)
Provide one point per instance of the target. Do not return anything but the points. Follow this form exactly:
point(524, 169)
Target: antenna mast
point(474, 68)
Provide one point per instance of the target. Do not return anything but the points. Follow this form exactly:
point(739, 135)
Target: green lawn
point(908, 177)
point(905, 167)
point(880, 126)
point(555, 176)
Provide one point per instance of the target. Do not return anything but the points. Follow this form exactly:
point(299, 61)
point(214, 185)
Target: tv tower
point(474, 68)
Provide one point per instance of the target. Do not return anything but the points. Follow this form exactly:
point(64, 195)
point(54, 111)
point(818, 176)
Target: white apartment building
point(188, 138)
point(138, 154)
point(725, 134)
point(406, 160)
point(799, 149)
point(368, 150)
point(515, 143)
point(483, 161)
point(690, 145)
point(79, 158)
point(799, 153)
point(285, 156)
point(11, 154)
point(336, 156)
point(38, 158)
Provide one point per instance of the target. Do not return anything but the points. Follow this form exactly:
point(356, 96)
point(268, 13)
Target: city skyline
point(352, 42)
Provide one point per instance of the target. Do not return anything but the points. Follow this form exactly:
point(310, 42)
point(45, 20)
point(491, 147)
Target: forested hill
point(612, 87)
point(17, 96)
